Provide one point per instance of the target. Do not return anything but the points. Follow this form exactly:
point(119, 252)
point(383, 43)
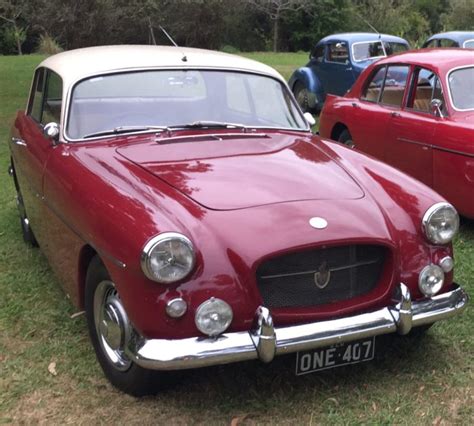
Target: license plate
point(335, 356)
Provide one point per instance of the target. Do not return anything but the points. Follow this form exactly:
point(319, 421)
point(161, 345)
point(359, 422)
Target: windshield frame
point(449, 87)
point(68, 98)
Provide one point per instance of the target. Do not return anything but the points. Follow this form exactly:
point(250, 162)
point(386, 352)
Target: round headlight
point(213, 317)
point(431, 280)
point(441, 223)
point(168, 257)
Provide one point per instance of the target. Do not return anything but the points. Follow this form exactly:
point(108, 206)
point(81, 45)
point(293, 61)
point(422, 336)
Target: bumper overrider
point(266, 341)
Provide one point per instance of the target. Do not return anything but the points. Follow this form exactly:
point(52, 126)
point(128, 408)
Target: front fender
point(307, 77)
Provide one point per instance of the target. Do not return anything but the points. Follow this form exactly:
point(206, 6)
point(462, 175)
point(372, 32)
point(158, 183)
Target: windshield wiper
point(124, 129)
point(209, 125)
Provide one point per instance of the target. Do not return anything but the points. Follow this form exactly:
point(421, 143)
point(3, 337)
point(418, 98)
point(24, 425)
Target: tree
point(274, 9)
point(10, 12)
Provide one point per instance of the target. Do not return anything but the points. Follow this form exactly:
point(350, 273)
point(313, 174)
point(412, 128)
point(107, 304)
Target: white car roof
point(73, 65)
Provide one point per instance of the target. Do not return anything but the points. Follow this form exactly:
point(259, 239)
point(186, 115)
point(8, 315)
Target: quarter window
point(53, 99)
point(448, 43)
point(338, 52)
point(374, 88)
point(394, 86)
point(35, 106)
point(318, 53)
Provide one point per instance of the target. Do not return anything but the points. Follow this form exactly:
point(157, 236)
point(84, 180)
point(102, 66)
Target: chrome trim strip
point(340, 268)
point(266, 341)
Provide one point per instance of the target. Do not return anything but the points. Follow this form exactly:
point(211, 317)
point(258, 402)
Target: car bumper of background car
point(266, 341)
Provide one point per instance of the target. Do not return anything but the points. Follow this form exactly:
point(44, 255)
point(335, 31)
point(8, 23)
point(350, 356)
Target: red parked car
point(414, 111)
point(183, 201)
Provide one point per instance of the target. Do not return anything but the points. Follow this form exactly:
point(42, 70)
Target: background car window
point(394, 86)
point(318, 53)
point(338, 52)
point(468, 44)
point(427, 87)
point(374, 87)
point(367, 50)
point(35, 107)
point(393, 47)
point(447, 43)
point(432, 44)
point(53, 99)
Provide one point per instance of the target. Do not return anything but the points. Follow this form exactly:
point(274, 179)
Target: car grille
point(320, 276)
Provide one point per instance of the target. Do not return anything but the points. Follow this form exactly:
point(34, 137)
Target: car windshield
point(461, 88)
point(370, 50)
point(133, 101)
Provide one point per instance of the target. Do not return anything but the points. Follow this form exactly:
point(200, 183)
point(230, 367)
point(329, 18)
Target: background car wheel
point(109, 330)
point(346, 138)
point(302, 96)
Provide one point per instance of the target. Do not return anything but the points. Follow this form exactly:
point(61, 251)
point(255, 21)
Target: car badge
point(322, 276)
point(318, 222)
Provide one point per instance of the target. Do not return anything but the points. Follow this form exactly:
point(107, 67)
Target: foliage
point(48, 46)
point(245, 24)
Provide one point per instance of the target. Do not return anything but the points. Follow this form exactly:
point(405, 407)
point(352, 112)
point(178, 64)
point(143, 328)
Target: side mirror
point(309, 118)
point(435, 107)
point(51, 130)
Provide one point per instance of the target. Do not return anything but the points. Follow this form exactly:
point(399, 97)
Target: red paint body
point(240, 201)
point(442, 155)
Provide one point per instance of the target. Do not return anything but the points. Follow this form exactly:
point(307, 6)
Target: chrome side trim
point(266, 341)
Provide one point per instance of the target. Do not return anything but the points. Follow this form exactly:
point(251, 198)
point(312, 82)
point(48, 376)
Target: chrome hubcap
point(112, 325)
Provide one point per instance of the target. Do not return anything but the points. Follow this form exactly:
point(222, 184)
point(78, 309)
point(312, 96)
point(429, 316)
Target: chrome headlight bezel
point(433, 234)
point(153, 243)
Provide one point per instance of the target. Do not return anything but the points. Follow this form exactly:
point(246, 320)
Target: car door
point(335, 71)
point(411, 128)
point(368, 119)
point(31, 148)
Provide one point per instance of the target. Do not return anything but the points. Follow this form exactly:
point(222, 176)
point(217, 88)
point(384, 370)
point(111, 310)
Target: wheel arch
point(336, 131)
point(86, 255)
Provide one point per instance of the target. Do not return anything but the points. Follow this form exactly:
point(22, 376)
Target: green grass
point(427, 381)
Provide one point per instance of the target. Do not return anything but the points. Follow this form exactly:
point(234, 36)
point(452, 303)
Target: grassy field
point(412, 381)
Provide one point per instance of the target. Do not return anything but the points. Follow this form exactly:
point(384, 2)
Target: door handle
point(18, 141)
point(396, 114)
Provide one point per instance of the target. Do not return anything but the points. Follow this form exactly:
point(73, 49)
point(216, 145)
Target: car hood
point(236, 172)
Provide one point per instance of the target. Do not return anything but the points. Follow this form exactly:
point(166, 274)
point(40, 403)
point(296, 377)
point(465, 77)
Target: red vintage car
point(183, 201)
point(414, 111)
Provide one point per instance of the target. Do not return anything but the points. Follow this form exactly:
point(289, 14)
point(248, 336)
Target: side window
point(447, 43)
point(318, 53)
point(426, 87)
point(35, 106)
point(394, 87)
point(373, 89)
point(53, 99)
point(432, 44)
point(338, 52)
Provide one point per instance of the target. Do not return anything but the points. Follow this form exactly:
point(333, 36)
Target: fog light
point(431, 280)
point(447, 264)
point(176, 308)
point(213, 317)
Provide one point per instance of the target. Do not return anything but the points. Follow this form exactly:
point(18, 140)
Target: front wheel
point(302, 96)
point(110, 330)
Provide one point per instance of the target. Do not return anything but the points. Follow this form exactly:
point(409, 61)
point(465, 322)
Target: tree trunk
point(275, 32)
point(17, 39)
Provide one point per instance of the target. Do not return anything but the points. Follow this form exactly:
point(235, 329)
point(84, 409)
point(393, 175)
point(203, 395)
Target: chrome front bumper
point(266, 341)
